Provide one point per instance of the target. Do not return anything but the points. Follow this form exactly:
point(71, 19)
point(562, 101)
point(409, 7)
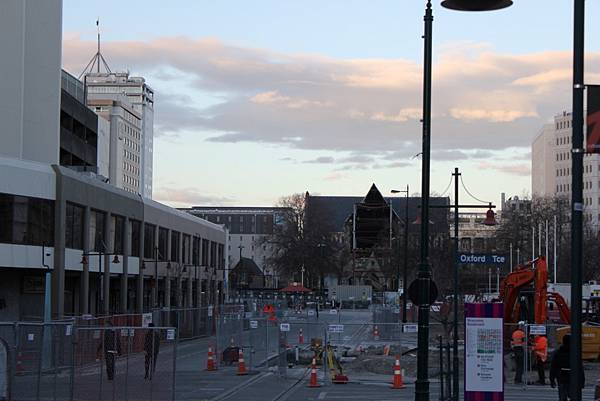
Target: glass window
point(149, 230)
point(163, 237)
point(205, 248)
point(25, 220)
point(174, 246)
point(196, 251)
point(74, 226)
point(213, 254)
point(97, 230)
point(118, 224)
point(135, 237)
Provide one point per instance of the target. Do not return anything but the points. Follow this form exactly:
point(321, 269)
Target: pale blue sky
point(289, 90)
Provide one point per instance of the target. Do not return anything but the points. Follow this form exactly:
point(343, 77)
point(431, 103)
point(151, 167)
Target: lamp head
point(476, 5)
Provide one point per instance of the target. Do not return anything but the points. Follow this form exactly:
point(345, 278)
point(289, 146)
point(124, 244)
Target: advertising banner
point(593, 119)
point(483, 352)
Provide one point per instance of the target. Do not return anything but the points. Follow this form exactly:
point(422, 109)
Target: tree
point(303, 238)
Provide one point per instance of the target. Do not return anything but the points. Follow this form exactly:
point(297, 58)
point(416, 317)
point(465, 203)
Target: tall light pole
point(577, 199)
point(424, 276)
point(405, 273)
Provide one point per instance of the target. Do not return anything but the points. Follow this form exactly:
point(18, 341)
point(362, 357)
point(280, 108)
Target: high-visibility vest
point(541, 347)
point(518, 338)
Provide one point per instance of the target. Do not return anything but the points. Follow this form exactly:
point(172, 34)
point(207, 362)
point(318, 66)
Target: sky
point(256, 100)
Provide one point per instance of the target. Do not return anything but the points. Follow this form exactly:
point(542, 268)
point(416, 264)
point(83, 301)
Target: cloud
point(321, 160)
point(482, 100)
point(521, 169)
point(185, 197)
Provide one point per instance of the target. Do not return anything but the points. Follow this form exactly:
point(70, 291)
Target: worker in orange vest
point(540, 349)
point(517, 344)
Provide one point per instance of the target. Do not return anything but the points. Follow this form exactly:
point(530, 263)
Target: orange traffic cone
point(210, 362)
point(313, 375)
point(241, 365)
point(398, 382)
point(376, 333)
point(300, 337)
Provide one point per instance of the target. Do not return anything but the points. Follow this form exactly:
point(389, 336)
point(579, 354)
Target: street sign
point(335, 328)
point(284, 327)
point(481, 259)
point(413, 292)
point(254, 324)
point(410, 328)
point(537, 330)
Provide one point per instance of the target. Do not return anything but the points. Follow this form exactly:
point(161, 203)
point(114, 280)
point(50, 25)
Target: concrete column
point(125, 262)
point(168, 289)
point(58, 273)
point(179, 275)
point(139, 307)
point(189, 298)
point(107, 237)
point(85, 274)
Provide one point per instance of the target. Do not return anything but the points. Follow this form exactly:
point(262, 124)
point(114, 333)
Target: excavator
point(526, 298)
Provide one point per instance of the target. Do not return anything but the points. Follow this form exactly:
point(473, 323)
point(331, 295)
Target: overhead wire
point(470, 194)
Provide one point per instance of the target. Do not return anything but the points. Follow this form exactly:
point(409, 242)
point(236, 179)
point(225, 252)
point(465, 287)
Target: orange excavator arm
point(563, 309)
point(510, 287)
point(541, 291)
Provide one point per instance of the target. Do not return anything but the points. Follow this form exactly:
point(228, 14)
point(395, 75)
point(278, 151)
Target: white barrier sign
point(254, 324)
point(284, 327)
point(146, 319)
point(335, 328)
point(483, 354)
point(537, 330)
point(411, 328)
point(311, 313)
point(333, 311)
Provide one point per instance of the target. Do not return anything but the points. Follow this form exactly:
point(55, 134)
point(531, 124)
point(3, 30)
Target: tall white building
point(551, 167)
point(121, 87)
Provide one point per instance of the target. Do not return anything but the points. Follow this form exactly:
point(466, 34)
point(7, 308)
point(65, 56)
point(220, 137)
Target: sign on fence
point(410, 328)
point(284, 327)
point(537, 330)
point(481, 259)
point(254, 324)
point(333, 311)
point(210, 310)
point(146, 319)
point(68, 329)
point(311, 312)
point(484, 352)
point(335, 328)
point(170, 334)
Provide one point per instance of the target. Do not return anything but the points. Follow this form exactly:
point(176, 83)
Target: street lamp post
point(103, 304)
point(405, 273)
point(424, 276)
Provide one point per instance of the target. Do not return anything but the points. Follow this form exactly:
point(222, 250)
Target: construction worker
point(540, 350)
point(517, 344)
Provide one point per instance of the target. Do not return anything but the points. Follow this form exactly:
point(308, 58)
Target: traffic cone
point(376, 333)
point(300, 337)
point(313, 375)
point(241, 365)
point(210, 362)
point(398, 382)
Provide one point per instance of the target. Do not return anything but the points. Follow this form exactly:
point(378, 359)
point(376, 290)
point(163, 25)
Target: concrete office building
point(248, 227)
point(125, 143)
point(75, 224)
point(551, 167)
point(132, 91)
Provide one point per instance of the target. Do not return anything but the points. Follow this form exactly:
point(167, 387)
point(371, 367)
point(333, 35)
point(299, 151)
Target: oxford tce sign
point(481, 259)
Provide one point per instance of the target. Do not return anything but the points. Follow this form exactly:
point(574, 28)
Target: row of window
point(563, 140)
point(130, 168)
point(131, 181)
point(131, 156)
point(26, 220)
point(132, 144)
point(563, 124)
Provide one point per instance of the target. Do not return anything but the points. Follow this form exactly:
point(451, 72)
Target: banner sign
point(335, 328)
point(593, 119)
point(484, 367)
point(481, 259)
point(537, 329)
